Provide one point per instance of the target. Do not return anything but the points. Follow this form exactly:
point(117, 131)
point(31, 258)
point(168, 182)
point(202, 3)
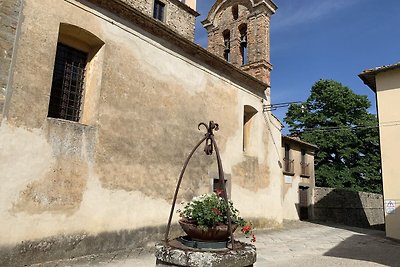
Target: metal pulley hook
point(208, 149)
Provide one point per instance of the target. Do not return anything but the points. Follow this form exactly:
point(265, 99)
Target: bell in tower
point(238, 31)
point(243, 44)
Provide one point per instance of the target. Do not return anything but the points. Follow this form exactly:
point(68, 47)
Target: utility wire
point(267, 120)
point(357, 127)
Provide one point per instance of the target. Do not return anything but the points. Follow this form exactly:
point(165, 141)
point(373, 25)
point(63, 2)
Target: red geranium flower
point(246, 228)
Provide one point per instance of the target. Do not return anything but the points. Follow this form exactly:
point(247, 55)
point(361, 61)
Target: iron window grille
point(67, 86)
point(158, 12)
point(305, 169)
point(288, 166)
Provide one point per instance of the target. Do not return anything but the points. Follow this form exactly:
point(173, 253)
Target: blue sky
point(325, 39)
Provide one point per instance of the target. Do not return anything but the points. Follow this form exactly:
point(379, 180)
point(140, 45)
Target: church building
point(100, 102)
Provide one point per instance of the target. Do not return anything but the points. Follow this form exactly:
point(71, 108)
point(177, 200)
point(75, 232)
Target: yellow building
point(385, 82)
point(299, 177)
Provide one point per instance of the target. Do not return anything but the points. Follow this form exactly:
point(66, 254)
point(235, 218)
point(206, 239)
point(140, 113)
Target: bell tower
point(238, 30)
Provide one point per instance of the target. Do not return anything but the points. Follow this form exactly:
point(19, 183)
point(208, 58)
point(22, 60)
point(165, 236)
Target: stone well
point(174, 253)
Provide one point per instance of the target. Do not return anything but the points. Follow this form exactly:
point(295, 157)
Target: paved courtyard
point(295, 244)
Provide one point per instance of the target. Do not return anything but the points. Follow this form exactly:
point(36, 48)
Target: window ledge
point(288, 173)
point(305, 175)
point(63, 121)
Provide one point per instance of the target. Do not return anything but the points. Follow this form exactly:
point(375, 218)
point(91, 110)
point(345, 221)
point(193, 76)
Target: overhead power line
point(356, 127)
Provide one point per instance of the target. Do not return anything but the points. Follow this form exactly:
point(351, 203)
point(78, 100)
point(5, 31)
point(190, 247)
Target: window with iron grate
point(67, 85)
point(288, 167)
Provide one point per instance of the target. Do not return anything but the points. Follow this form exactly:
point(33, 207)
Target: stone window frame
point(82, 40)
point(165, 10)
point(249, 121)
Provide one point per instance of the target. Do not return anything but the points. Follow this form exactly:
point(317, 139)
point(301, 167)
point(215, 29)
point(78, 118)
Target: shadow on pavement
point(368, 231)
point(368, 248)
point(369, 245)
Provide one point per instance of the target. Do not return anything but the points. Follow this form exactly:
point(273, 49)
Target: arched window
point(76, 48)
point(227, 44)
point(248, 124)
point(235, 12)
point(243, 43)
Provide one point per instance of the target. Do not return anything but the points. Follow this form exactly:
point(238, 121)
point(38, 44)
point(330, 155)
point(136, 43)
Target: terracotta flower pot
point(215, 233)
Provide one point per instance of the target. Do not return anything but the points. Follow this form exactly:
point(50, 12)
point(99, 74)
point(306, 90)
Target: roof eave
point(368, 80)
point(369, 76)
point(300, 142)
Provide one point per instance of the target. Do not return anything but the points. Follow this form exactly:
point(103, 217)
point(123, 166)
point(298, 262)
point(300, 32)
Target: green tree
point(338, 122)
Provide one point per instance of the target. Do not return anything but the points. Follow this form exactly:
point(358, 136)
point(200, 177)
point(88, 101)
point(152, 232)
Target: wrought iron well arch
point(208, 149)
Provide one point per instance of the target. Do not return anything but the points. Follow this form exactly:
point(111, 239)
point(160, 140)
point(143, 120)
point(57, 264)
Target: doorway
point(303, 202)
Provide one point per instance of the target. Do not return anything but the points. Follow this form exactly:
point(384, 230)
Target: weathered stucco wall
point(351, 208)
point(69, 188)
point(9, 17)
point(388, 97)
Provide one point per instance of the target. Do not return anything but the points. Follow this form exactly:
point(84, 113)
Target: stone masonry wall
point(180, 21)
point(351, 208)
point(177, 16)
point(9, 13)
point(258, 42)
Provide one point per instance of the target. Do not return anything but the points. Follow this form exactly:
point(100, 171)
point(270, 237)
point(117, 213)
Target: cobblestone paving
point(295, 244)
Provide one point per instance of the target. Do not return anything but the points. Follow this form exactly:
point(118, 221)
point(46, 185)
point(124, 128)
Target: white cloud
point(295, 12)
